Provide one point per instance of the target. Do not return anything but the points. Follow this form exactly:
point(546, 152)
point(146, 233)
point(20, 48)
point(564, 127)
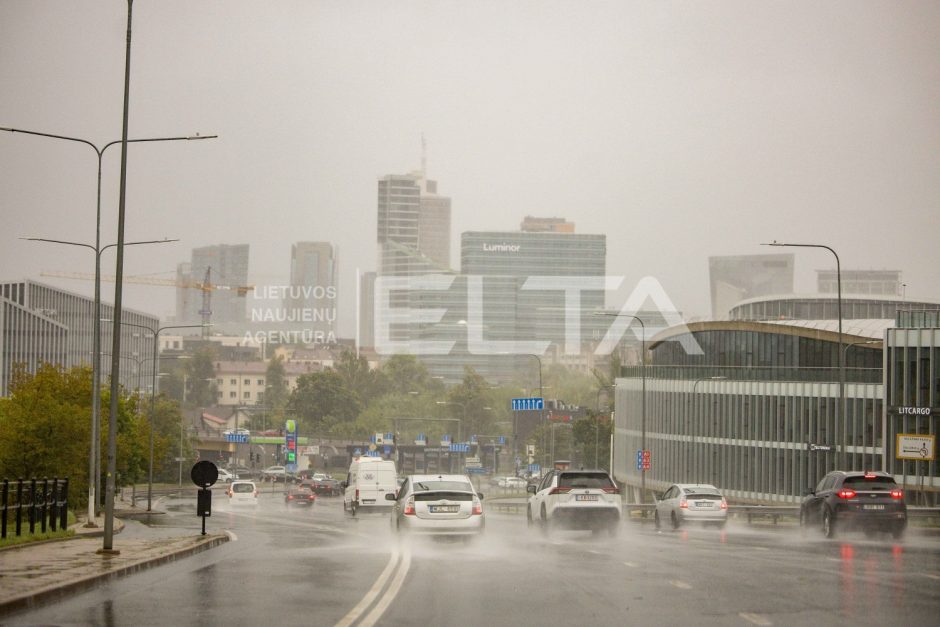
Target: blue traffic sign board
point(501, 439)
point(460, 447)
point(238, 438)
point(528, 404)
point(387, 449)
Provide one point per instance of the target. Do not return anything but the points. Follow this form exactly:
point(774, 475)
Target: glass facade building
point(825, 308)
point(758, 413)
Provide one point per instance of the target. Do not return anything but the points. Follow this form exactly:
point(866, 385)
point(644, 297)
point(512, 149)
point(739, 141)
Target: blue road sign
point(460, 447)
point(534, 468)
point(357, 451)
point(387, 449)
point(501, 439)
point(528, 404)
point(238, 438)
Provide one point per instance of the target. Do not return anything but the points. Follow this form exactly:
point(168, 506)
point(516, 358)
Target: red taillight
point(477, 507)
point(230, 494)
point(870, 475)
point(255, 494)
point(311, 497)
point(846, 494)
point(409, 507)
point(683, 504)
point(897, 494)
point(559, 491)
point(612, 490)
point(357, 494)
point(290, 497)
point(724, 504)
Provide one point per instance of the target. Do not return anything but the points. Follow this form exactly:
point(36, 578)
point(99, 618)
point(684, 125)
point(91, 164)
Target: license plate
point(444, 509)
point(585, 497)
point(703, 503)
point(873, 506)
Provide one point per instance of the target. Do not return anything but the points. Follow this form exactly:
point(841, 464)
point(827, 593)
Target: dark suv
point(844, 500)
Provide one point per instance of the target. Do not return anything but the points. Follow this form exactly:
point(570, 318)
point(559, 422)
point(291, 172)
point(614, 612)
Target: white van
point(369, 480)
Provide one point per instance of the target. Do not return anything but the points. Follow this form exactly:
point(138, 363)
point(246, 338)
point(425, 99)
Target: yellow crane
point(206, 286)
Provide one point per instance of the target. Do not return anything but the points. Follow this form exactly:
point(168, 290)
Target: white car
point(575, 499)
point(512, 483)
point(242, 493)
point(437, 505)
point(225, 476)
point(691, 502)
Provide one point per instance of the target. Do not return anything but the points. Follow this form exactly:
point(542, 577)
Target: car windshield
point(439, 486)
point(243, 487)
point(584, 480)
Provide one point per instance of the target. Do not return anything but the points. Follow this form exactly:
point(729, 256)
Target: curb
point(53, 593)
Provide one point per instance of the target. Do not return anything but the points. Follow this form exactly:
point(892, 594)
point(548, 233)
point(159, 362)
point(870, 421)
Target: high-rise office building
point(532, 224)
point(413, 226)
point(311, 298)
point(736, 278)
point(227, 265)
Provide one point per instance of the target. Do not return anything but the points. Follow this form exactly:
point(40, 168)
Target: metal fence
point(37, 502)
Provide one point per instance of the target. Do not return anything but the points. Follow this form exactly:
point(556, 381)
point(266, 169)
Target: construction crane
point(206, 286)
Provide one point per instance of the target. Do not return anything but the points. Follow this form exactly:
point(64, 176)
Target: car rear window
point(702, 493)
point(242, 487)
point(439, 486)
point(708, 496)
point(443, 496)
point(873, 483)
point(584, 480)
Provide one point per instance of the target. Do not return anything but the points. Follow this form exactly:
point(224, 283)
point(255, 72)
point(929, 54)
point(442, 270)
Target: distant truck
point(368, 481)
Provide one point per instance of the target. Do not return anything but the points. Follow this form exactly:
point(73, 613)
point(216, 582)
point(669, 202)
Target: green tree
point(322, 401)
point(200, 380)
point(592, 438)
point(276, 392)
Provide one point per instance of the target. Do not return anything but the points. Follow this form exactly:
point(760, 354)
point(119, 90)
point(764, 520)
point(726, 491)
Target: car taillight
point(683, 504)
point(724, 504)
point(897, 494)
point(846, 494)
point(559, 491)
point(290, 497)
point(357, 494)
point(870, 475)
point(409, 507)
point(612, 490)
point(477, 506)
point(311, 497)
point(230, 494)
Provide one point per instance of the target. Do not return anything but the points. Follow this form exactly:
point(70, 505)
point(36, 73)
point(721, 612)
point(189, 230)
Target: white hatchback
point(575, 499)
point(242, 493)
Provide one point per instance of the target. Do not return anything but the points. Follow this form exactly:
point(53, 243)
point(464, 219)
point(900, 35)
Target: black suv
point(844, 500)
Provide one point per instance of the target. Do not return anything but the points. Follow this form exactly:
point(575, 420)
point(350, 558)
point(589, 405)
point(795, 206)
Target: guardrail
point(643, 511)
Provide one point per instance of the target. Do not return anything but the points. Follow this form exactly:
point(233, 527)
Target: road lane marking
point(373, 592)
point(594, 552)
point(231, 535)
point(929, 576)
point(757, 619)
point(630, 564)
point(681, 584)
point(390, 594)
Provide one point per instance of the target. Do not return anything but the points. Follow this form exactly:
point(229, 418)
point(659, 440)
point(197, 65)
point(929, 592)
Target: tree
point(322, 401)
point(276, 391)
point(592, 437)
point(201, 389)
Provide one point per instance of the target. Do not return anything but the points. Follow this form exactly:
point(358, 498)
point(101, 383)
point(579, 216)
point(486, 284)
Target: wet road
point(316, 566)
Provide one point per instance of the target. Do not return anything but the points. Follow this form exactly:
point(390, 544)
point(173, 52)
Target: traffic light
point(291, 451)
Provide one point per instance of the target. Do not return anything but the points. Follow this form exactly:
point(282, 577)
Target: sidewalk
point(33, 573)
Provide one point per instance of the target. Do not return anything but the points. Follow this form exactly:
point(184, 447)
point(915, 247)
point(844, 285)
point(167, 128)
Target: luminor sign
point(501, 248)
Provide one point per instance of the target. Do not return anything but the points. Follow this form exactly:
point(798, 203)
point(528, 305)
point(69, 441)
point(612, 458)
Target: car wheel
point(674, 520)
point(804, 522)
point(528, 517)
point(656, 522)
point(352, 509)
point(544, 520)
point(828, 524)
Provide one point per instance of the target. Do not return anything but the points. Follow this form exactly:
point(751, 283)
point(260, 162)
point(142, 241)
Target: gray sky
point(681, 130)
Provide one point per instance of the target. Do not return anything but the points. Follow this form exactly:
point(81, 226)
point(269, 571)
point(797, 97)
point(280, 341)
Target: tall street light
point(643, 392)
point(153, 392)
point(96, 348)
point(842, 413)
point(96, 357)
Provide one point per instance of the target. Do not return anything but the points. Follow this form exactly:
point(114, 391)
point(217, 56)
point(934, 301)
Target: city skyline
point(680, 136)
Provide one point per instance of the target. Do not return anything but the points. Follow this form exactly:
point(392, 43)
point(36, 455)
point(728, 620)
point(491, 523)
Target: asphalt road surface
point(318, 566)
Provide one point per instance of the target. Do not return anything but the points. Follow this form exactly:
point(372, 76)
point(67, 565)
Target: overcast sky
point(681, 130)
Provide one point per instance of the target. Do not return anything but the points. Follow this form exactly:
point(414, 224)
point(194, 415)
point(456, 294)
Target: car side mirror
point(390, 497)
point(530, 489)
point(809, 492)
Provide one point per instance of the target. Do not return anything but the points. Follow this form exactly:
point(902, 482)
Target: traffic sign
point(204, 473)
point(460, 447)
point(536, 403)
point(501, 439)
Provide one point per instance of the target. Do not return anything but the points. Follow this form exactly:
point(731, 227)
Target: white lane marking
point(929, 576)
point(390, 594)
point(373, 592)
point(594, 552)
point(231, 535)
point(761, 548)
point(681, 584)
point(757, 619)
point(630, 564)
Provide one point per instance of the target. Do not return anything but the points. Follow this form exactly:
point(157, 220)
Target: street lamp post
point(153, 393)
point(643, 391)
point(96, 358)
point(842, 413)
point(96, 348)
